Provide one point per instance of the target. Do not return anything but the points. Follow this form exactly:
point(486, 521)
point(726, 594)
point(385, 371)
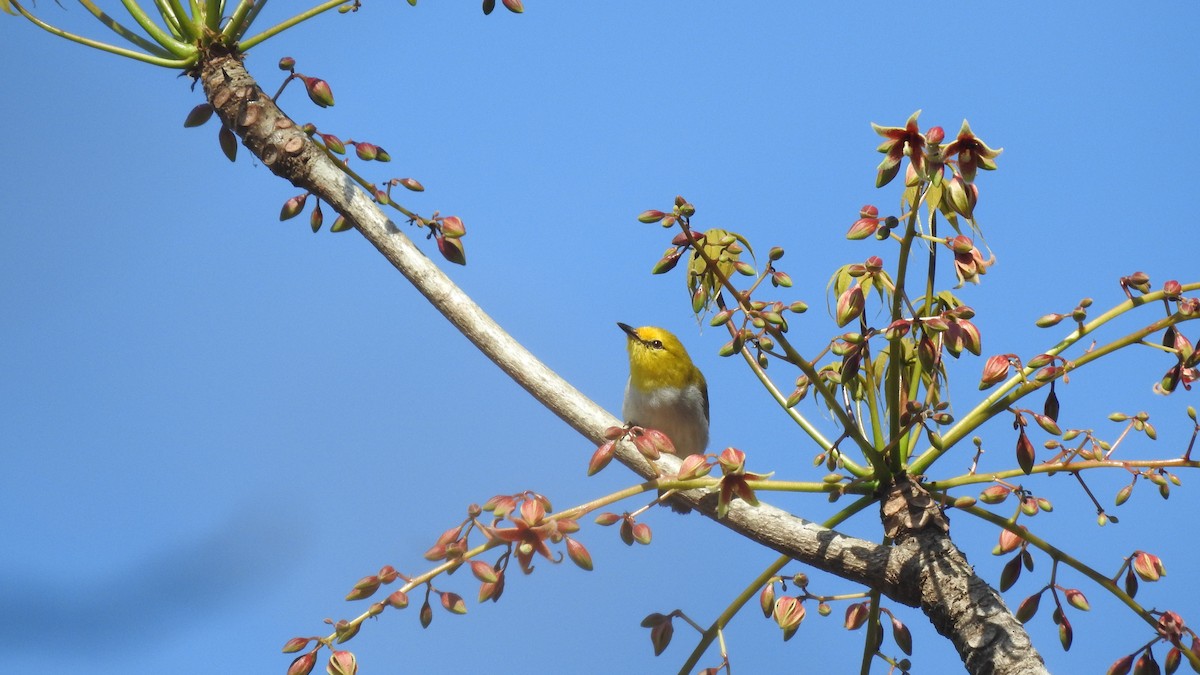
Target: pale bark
point(925, 569)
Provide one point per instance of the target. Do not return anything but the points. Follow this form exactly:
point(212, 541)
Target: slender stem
point(157, 34)
point(873, 401)
point(872, 636)
point(813, 432)
point(104, 46)
point(237, 18)
point(186, 21)
point(1019, 385)
point(124, 32)
point(896, 349)
point(168, 15)
point(793, 356)
point(248, 43)
point(918, 370)
point(212, 14)
point(250, 18)
point(974, 479)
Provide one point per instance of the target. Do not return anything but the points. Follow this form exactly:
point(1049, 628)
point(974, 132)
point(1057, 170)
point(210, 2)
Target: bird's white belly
point(677, 413)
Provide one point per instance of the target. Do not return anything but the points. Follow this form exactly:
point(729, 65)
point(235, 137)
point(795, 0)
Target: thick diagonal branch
point(928, 574)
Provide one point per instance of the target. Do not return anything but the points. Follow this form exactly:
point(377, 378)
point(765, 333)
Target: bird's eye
point(657, 344)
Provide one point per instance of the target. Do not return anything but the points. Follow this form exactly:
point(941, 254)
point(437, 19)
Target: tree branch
point(926, 571)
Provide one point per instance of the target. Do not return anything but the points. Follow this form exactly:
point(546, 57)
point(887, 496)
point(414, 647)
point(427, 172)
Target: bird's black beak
point(628, 330)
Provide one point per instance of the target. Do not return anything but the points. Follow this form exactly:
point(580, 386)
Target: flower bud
point(579, 554)
point(411, 184)
point(366, 151)
point(452, 227)
point(862, 228)
point(293, 207)
point(850, 305)
point(303, 664)
point(319, 91)
point(333, 143)
point(1148, 566)
point(342, 663)
point(451, 249)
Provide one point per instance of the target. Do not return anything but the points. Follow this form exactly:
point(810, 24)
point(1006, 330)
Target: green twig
point(156, 33)
point(278, 28)
point(124, 32)
point(104, 46)
point(1020, 384)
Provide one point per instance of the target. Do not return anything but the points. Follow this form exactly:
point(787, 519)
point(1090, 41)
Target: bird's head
point(657, 359)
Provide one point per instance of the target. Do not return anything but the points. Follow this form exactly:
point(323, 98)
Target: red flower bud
point(318, 91)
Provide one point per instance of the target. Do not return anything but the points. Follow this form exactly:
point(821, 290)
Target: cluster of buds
point(318, 89)
point(532, 530)
point(1172, 630)
point(869, 223)
point(969, 263)
point(857, 615)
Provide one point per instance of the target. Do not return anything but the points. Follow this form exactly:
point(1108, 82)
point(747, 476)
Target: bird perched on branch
point(666, 391)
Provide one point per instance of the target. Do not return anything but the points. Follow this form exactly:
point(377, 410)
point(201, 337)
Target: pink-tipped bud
point(850, 305)
point(579, 554)
point(994, 494)
point(452, 250)
point(994, 370)
point(856, 616)
point(935, 135)
point(366, 151)
point(1076, 599)
point(1009, 541)
point(862, 228)
point(659, 441)
point(694, 466)
point(303, 664)
point(319, 91)
point(789, 612)
point(287, 63)
point(334, 143)
point(342, 663)
point(651, 216)
point(452, 226)
point(411, 184)
point(733, 461)
point(963, 196)
point(766, 600)
point(292, 207)
point(642, 534)
point(316, 218)
point(365, 588)
point(1148, 566)
point(295, 644)
point(605, 519)
point(961, 244)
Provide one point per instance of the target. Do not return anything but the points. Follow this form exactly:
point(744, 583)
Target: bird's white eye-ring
point(657, 344)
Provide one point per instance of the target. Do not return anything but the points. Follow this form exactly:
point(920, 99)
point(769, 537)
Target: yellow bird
point(666, 391)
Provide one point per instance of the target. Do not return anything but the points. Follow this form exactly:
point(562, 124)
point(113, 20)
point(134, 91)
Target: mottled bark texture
point(924, 569)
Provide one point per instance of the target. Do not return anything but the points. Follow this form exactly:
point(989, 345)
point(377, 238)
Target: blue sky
point(213, 423)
